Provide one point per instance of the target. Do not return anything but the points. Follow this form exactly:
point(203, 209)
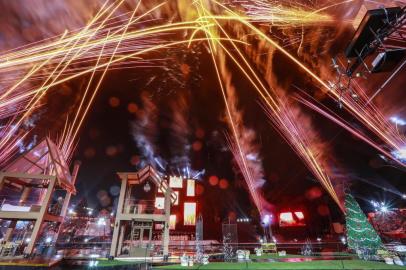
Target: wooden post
point(24, 195)
point(120, 239)
point(167, 206)
point(44, 209)
point(9, 231)
point(120, 207)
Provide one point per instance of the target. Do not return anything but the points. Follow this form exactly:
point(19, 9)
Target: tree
point(360, 233)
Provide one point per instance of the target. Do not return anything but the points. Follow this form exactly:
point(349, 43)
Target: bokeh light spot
point(223, 184)
point(114, 102)
point(197, 146)
point(111, 151)
point(199, 189)
point(132, 108)
point(89, 152)
point(213, 180)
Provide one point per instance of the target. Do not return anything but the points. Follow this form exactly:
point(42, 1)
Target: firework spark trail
point(10, 148)
point(72, 46)
point(146, 49)
point(70, 139)
point(83, 32)
point(40, 92)
point(282, 119)
point(84, 46)
point(38, 95)
point(277, 14)
point(321, 109)
point(117, 59)
point(204, 23)
point(241, 144)
point(359, 111)
point(286, 123)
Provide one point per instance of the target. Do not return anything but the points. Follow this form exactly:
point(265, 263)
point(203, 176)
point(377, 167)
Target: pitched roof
point(145, 173)
point(44, 158)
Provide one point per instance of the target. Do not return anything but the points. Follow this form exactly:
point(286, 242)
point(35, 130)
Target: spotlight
point(403, 196)
point(383, 209)
point(47, 240)
point(318, 239)
point(374, 203)
point(400, 154)
point(398, 121)
point(266, 220)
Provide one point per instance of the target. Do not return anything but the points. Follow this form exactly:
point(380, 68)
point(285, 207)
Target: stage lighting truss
point(377, 28)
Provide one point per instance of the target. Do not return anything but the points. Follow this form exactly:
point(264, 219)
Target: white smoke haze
point(144, 132)
point(242, 140)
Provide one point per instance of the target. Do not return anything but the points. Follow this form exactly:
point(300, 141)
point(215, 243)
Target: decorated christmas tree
point(360, 233)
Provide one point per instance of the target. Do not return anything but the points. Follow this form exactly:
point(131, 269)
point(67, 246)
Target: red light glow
point(291, 219)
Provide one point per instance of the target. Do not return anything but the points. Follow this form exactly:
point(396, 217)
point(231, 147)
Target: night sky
point(176, 104)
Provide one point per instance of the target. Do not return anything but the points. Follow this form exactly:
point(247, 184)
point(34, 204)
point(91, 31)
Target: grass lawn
point(109, 263)
point(337, 264)
point(276, 256)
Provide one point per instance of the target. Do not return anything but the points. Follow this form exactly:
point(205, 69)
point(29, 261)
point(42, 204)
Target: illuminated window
point(189, 214)
point(172, 222)
point(190, 191)
point(299, 215)
point(159, 202)
point(286, 217)
point(291, 219)
point(177, 198)
point(175, 182)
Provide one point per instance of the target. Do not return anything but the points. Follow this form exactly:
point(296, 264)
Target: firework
point(107, 43)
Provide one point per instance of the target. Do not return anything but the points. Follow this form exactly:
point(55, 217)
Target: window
point(189, 214)
point(175, 182)
point(159, 202)
point(190, 191)
point(172, 222)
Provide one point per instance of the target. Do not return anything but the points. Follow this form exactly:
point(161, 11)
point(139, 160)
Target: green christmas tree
point(360, 233)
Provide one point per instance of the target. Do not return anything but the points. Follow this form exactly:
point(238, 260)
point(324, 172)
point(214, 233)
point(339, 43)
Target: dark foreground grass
point(334, 264)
